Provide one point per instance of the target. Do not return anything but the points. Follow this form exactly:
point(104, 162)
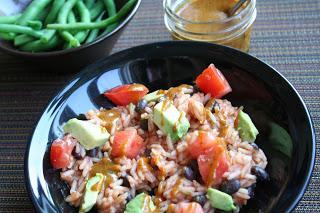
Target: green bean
point(9, 19)
point(89, 3)
point(52, 16)
point(13, 28)
point(7, 36)
point(33, 9)
point(71, 17)
point(96, 10)
point(94, 33)
point(38, 46)
point(43, 14)
point(62, 18)
point(111, 9)
point(85, 17)
point(96, 25)
point(22, 39)
point(36, 25)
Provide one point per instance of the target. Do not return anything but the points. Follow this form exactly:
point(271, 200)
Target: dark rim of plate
point(63, 92)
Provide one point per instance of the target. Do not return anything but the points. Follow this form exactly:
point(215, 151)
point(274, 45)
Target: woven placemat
point(286, 35)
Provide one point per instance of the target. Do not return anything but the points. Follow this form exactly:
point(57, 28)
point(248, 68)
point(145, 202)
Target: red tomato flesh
point(184, 207)
point(201, 144)
point(126, 94)
point(212, 81)
point(127, 143)
point(213, 164)
point(60, 153)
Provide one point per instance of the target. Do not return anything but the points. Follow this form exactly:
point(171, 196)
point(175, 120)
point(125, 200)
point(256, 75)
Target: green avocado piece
point(220, 200)
point(141, 203)
point(280, 139)
point(247, 130)
point(153, 96)
point(88, 134)
point(93, 188)
point(170, 120)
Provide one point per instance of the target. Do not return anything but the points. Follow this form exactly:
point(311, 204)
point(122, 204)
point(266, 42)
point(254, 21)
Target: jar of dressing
point(207, 20)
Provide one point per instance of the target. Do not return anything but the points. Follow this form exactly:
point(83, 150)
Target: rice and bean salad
point(184, 149)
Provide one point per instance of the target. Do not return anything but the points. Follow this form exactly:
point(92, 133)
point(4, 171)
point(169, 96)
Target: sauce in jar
point(204, 20)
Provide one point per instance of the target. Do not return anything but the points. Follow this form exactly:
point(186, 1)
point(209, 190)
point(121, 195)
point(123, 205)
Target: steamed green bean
point(7, 36)
point(96, 25)
point(112, 10)
point(22, 39)
point(94, 33)
point(13, 28)
point(33, 9)
point(85, 17)
point(9, 19)
point(53, 14)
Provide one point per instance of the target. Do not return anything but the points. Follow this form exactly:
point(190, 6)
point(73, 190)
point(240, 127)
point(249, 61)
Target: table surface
point(286, 35)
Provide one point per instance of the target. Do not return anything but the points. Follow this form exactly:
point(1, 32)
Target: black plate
point(267, 96)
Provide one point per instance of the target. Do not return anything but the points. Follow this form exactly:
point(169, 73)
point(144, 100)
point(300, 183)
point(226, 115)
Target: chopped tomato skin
point(127, 143)
point(212, 81)
point(125, 94)
point(60, 153)
point(201, 144)
point(213, 164)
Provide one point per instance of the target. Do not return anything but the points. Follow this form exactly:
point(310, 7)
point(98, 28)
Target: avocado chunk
point(88, 134)
point(170, 120)
point(153, 96)
point(93, 188)
point(141, 203)
point(247, 130)
point(220, 200)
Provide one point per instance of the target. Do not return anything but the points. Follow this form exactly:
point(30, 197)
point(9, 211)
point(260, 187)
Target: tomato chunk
point(126, 94)
point(127, 143)
point(184, 207)
point(213, 164)
point(60, 153)
point(212, 81)
point(201, 144)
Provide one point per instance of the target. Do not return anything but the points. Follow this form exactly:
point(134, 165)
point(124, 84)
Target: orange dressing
point(105, 166)
point(175, 188)
point(143, 164)
point(171, 93)
point(109, 116)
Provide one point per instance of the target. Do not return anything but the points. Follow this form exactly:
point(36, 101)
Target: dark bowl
point(71, 59)
point(286, 132)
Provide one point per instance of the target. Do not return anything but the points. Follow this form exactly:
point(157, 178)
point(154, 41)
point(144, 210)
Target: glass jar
point(206, 20)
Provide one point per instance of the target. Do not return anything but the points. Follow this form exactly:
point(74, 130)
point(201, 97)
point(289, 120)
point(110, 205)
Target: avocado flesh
point(141, 203)
point(153, 96)
point(220, 200)
point(170, 120)
point(93, 188)
point(88, 134)
point(247, 130)
point(280, 139)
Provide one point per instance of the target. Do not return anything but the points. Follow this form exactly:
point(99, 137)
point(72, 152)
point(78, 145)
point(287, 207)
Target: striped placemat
point(286, 35)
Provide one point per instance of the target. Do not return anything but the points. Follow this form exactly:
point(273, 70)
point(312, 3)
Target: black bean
point(188, 173)
point(201, 199)
point(152, 192)
point(255, 146)
point(215, 107)
point(196, 88)
point(230, 186)
point(147, 152)
point(125, 182)
point(129, 197)
point(195, 168)
point(251, 190)
point(144, 124)
point(261, 174)
point(141, 105)
point(75, 154)
point(82, 117)
point(93, 152)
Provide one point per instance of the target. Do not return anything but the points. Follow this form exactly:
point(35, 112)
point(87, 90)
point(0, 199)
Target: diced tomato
point(212, 81)
point(126, 94)
point(201, 144)
point(184, 207)
point(60, 153)
point(213, 165)
point(127, 143)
